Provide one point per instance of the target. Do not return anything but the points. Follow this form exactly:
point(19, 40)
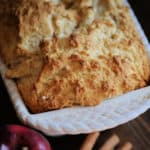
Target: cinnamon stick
point(90, 141)
point(110, 143)
point(126, 146)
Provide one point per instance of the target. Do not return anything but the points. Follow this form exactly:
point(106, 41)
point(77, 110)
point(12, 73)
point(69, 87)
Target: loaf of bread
point(65, 53)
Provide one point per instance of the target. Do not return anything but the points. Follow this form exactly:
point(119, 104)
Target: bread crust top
point(75, 52)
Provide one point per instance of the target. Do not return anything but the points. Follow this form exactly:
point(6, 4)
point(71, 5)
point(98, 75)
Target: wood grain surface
point(136, 131)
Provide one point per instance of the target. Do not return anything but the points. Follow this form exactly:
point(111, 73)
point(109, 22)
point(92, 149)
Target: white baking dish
point(108, 114)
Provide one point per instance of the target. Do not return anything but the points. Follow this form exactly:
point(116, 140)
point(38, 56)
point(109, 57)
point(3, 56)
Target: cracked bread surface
point(66, 53)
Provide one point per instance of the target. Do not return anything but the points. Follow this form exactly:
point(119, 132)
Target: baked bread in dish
point(65, 53)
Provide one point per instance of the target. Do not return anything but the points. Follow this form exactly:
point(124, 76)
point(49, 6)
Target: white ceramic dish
point(108, 114)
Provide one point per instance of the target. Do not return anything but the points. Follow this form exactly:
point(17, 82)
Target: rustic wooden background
point(136, 131)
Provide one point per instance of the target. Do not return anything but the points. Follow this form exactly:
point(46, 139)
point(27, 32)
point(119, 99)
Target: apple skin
point(14, 137)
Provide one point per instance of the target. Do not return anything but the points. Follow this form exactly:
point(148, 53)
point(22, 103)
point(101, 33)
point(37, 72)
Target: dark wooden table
point(136, 131)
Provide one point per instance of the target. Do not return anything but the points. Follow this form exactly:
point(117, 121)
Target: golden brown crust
point(76, 53)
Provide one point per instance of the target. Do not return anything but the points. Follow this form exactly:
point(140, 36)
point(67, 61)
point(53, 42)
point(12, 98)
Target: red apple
point(14, 137)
